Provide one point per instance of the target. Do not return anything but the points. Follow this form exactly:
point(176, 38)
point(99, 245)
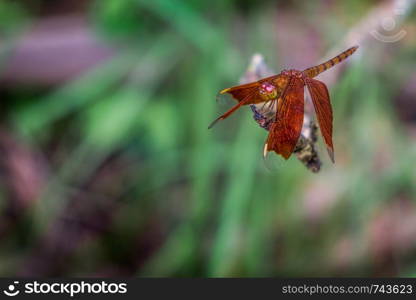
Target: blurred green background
point(107, 167)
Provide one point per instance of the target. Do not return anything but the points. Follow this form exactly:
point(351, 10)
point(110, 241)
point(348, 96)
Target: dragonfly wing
point(245, 94)
point(228, 113)
point(285, 131)
point(250, 92)
point(321, 102)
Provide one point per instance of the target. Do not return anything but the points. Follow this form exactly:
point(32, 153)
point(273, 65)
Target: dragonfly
point(284, 93)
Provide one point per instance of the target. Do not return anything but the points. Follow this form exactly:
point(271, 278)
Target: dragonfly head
point(267, 91)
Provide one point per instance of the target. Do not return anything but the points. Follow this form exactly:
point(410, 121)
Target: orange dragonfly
point(285, 93)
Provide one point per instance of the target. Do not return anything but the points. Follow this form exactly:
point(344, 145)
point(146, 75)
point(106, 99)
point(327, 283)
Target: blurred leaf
point(110, 121)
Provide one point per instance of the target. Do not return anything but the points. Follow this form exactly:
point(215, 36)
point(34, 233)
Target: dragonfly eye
point(268, 91)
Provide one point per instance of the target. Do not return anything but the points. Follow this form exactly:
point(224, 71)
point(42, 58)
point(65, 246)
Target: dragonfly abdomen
point(316, 70)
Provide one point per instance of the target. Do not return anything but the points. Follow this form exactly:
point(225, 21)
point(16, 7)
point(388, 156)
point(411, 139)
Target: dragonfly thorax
point(267, 91)
point(292, 72)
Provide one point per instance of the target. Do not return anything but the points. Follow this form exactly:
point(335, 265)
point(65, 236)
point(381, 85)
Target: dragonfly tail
point(316, 70)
